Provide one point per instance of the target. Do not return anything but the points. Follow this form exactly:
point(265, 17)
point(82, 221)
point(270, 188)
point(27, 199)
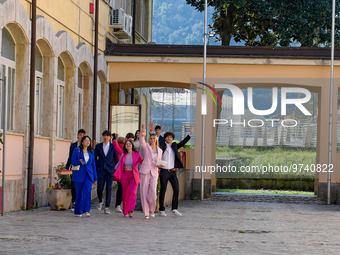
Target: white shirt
point(106, 148)
point(86, 157)
point(169, 156)
point(136, 144)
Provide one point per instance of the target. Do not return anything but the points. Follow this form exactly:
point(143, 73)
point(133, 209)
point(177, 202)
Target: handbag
point(76, 168)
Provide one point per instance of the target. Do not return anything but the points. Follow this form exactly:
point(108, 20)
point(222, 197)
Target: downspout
point(31, 113)
point(95, 74)
point(133, 42)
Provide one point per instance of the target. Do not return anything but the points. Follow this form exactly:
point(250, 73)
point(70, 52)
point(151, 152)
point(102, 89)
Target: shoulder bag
point(76, 168)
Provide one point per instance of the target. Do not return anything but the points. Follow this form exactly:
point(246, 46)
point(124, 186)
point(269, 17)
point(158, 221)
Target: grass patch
point(287, 192)
point(281, 157)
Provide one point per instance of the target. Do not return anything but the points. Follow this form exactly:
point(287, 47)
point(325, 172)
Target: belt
point(169, 170)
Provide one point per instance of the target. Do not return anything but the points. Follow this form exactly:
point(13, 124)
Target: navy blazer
point(72, 147)
point(161, 139)
point(108, 162)
point(88, 168)
point(175, 147)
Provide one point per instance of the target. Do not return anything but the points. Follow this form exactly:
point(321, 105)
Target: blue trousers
point(83, 197)
point(104, 177)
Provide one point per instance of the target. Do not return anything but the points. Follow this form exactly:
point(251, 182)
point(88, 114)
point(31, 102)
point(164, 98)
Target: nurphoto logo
point(238, 104)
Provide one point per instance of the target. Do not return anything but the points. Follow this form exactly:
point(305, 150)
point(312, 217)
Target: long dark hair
point(133, 147)
point(136, 134)
point(90, 149)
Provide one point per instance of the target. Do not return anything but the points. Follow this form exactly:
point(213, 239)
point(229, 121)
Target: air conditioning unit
point(117, 18)
point(116, 4)
point(128, 24)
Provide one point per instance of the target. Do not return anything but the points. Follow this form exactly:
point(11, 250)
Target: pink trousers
point(129, 192)
point(148, 195)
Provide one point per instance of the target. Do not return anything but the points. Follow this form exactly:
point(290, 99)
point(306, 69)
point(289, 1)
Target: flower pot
point(59, 198)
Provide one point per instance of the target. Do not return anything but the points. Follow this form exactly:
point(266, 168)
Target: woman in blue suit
point(87, 174)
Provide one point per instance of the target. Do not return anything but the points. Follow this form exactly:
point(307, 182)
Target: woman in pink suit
point(127, 173)
point(149, 173)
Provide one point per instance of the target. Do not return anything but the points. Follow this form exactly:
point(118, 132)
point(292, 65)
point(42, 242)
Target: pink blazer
point(136, 158)
point(149, 164)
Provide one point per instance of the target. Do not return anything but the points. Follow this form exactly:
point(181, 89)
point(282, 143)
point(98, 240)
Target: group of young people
point(119, 161)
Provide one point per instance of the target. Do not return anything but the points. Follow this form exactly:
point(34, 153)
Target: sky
point(175, 22)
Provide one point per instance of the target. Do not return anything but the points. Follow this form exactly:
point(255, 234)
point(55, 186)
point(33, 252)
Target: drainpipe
point(133, 42)
point(94, 130)
point(4, 121)
point(134, 22)
point(32, 97)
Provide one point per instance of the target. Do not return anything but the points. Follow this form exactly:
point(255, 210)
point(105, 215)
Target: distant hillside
point(175, 22)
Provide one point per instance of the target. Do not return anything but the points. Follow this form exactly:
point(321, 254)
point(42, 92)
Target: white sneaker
point(162, 213)
point(118, 209)
point(152, 215)
point(175, 212)
point(99, 206)
point(72, 207)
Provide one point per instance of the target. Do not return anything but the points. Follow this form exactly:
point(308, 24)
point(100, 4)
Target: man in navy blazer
point(81, 133)
point(106, 157)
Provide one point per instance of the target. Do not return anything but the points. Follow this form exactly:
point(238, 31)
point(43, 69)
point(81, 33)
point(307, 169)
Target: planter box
point(59, 198)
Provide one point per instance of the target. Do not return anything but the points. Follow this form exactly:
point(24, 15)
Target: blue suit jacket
point(89, 167)
point(108, 162)
point(72, 147)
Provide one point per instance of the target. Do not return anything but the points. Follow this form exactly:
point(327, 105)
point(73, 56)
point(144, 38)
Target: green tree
point(272, 23)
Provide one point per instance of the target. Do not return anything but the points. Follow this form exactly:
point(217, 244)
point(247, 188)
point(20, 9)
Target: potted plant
point(59, 196)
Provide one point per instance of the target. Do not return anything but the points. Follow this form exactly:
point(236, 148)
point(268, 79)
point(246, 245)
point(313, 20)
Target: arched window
point(7, 70)
point(80, 97)
point(61, 98)
point(38, 90)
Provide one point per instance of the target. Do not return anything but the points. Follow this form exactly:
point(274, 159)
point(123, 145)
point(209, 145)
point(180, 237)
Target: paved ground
point(208, 227)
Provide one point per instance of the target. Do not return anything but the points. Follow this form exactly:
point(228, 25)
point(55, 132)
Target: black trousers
point(73, 191)
point(164, 177)
point(105, 177)
point(119, 194)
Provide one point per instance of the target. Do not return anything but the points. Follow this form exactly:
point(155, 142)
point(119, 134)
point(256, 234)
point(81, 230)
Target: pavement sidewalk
point(206, 227)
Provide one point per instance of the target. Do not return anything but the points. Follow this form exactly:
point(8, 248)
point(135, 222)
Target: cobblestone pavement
point(208, 227)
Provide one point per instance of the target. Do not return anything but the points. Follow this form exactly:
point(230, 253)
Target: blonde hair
point(121, 140)
point(156, 139)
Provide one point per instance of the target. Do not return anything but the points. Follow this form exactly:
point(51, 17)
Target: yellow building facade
point(64, 82)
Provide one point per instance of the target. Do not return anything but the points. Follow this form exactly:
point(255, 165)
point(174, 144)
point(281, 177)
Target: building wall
point(65, 30)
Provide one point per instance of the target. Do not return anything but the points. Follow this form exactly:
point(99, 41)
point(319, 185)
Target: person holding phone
point(149, 173)
point(81, 133)
point(84, 177)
